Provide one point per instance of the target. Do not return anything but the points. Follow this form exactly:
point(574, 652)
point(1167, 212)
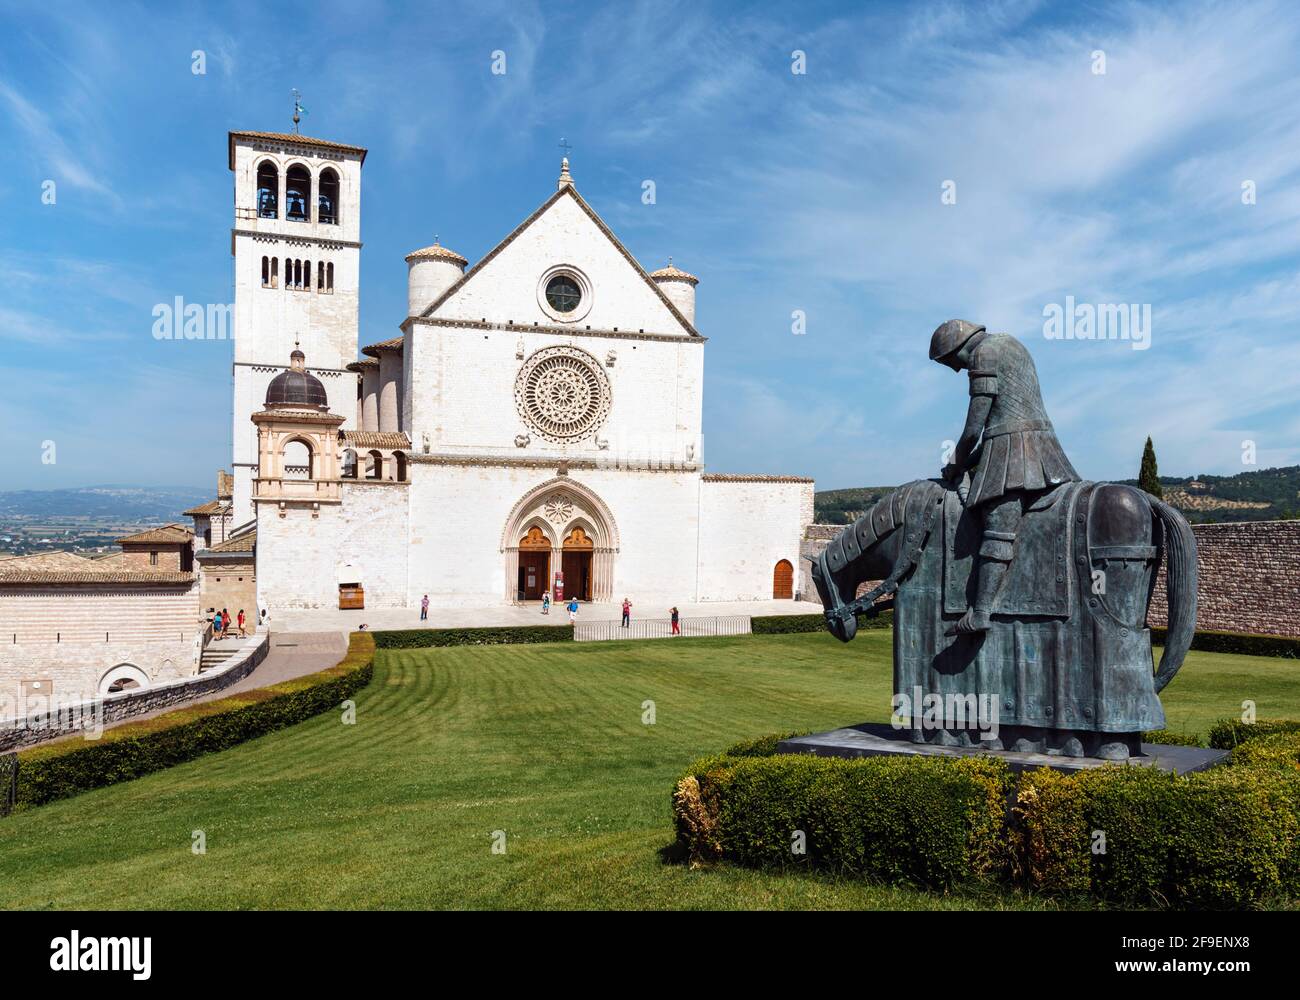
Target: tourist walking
point(225, 623)
point(677, 622)
point(242, 631)
point(573, 611)
point(546, 603)
point(216, 625)
point(627, 613)
point(424, 608)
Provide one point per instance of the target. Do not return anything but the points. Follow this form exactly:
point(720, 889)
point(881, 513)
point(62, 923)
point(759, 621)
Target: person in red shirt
point(627, 613)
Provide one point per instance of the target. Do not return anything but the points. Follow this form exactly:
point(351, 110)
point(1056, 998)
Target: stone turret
point(430, 272)
point(679, 287)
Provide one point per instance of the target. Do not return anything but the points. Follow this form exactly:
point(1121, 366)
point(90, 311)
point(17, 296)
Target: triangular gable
point(567, 190)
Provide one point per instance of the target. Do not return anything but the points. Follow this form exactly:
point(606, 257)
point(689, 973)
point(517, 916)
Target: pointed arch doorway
point(576, 561)
point(560, 526)
point(534, 564)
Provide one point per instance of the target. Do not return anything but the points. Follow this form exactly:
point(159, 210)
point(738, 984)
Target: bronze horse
point(1067, 661)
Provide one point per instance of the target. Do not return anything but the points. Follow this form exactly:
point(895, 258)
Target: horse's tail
point(1180, 587)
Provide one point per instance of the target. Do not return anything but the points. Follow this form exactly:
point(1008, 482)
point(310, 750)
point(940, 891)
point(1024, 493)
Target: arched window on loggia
point(297, 460)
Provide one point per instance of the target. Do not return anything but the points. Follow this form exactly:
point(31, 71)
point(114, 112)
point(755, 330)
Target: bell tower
point(296, 242)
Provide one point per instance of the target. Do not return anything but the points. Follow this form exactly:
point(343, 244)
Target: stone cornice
point(304, 240)
point(560, 331)
point(559, 464)
point(736, 477)
point(296, 417)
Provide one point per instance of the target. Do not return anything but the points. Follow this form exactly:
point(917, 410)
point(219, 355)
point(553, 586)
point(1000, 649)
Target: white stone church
point(536, 425)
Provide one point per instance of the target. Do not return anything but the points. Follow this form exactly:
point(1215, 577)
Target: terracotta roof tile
point(31, 577)
point(676, 273)
point(168, 534)
point(437, 252)
point(212, 507)
point(239, 543)
point(376, 439)
point(293, 137)
point(44, 561)
point(384, 345)
point(730, 477)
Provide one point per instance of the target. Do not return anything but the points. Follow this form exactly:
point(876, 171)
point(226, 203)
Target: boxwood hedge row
point(1239, 642)
point(67, 767)
point(789, 624)
point(1226, 838)
point(421, 638)
point(922, 820)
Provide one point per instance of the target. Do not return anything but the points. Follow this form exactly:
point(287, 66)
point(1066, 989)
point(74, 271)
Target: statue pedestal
point(875, 739)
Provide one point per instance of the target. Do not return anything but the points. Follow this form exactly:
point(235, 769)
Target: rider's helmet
point(950, 336)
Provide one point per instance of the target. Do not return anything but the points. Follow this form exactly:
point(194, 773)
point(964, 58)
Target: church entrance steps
point(661, 628)
point(220, 650)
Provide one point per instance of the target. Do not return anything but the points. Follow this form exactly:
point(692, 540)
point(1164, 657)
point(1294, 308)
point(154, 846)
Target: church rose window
point(563, 294)
point(562, 393)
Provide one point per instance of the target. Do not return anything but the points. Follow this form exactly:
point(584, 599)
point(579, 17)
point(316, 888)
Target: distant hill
point(1258, 495)
point(134, 504)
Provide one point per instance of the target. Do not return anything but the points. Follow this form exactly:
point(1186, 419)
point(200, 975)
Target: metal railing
point(660, 628)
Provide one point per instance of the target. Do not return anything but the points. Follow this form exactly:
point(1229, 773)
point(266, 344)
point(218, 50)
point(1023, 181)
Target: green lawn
point(543, 742)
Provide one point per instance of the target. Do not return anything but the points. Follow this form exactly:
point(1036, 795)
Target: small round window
point(563, 293)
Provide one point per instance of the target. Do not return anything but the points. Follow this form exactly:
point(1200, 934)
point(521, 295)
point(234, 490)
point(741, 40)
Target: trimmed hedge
point(1245, 643)
point(1228, 734)
point(1226, 838)
point(924, 821)
point(67, 767)
point(1218, 839)
point(789, 624)
point(1281, 749)
point(1172, 738)
point(422, 638)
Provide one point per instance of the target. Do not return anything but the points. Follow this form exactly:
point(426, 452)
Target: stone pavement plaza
point(331, 619)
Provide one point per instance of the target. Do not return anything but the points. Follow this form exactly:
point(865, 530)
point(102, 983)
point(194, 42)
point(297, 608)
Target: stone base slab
point(877, 739)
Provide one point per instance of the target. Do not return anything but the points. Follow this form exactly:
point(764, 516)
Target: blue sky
point(819, 192)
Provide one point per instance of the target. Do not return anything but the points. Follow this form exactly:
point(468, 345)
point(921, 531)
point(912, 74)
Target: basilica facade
point(534, 426)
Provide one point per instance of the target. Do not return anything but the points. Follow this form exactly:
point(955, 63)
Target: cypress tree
point(1148, 477)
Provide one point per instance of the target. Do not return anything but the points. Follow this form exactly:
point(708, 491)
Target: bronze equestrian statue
point(1014, 580)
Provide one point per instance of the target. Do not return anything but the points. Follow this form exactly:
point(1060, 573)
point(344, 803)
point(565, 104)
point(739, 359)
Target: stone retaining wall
point(115, 708)
point(1248, 578)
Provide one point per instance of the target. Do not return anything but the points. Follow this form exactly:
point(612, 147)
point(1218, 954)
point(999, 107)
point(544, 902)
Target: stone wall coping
point(128, 704)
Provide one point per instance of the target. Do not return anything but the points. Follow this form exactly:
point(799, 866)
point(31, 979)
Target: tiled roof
point(675, 272)
point(356, 366)
point(437, 252)
point(44, 561)
point(28, 577)
point(375, 439)
point(168, 534)
point(212, 507)
point(293, 137)
point(225, 485)
point(384, 345)
point(730, 477)
point(239, 543)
